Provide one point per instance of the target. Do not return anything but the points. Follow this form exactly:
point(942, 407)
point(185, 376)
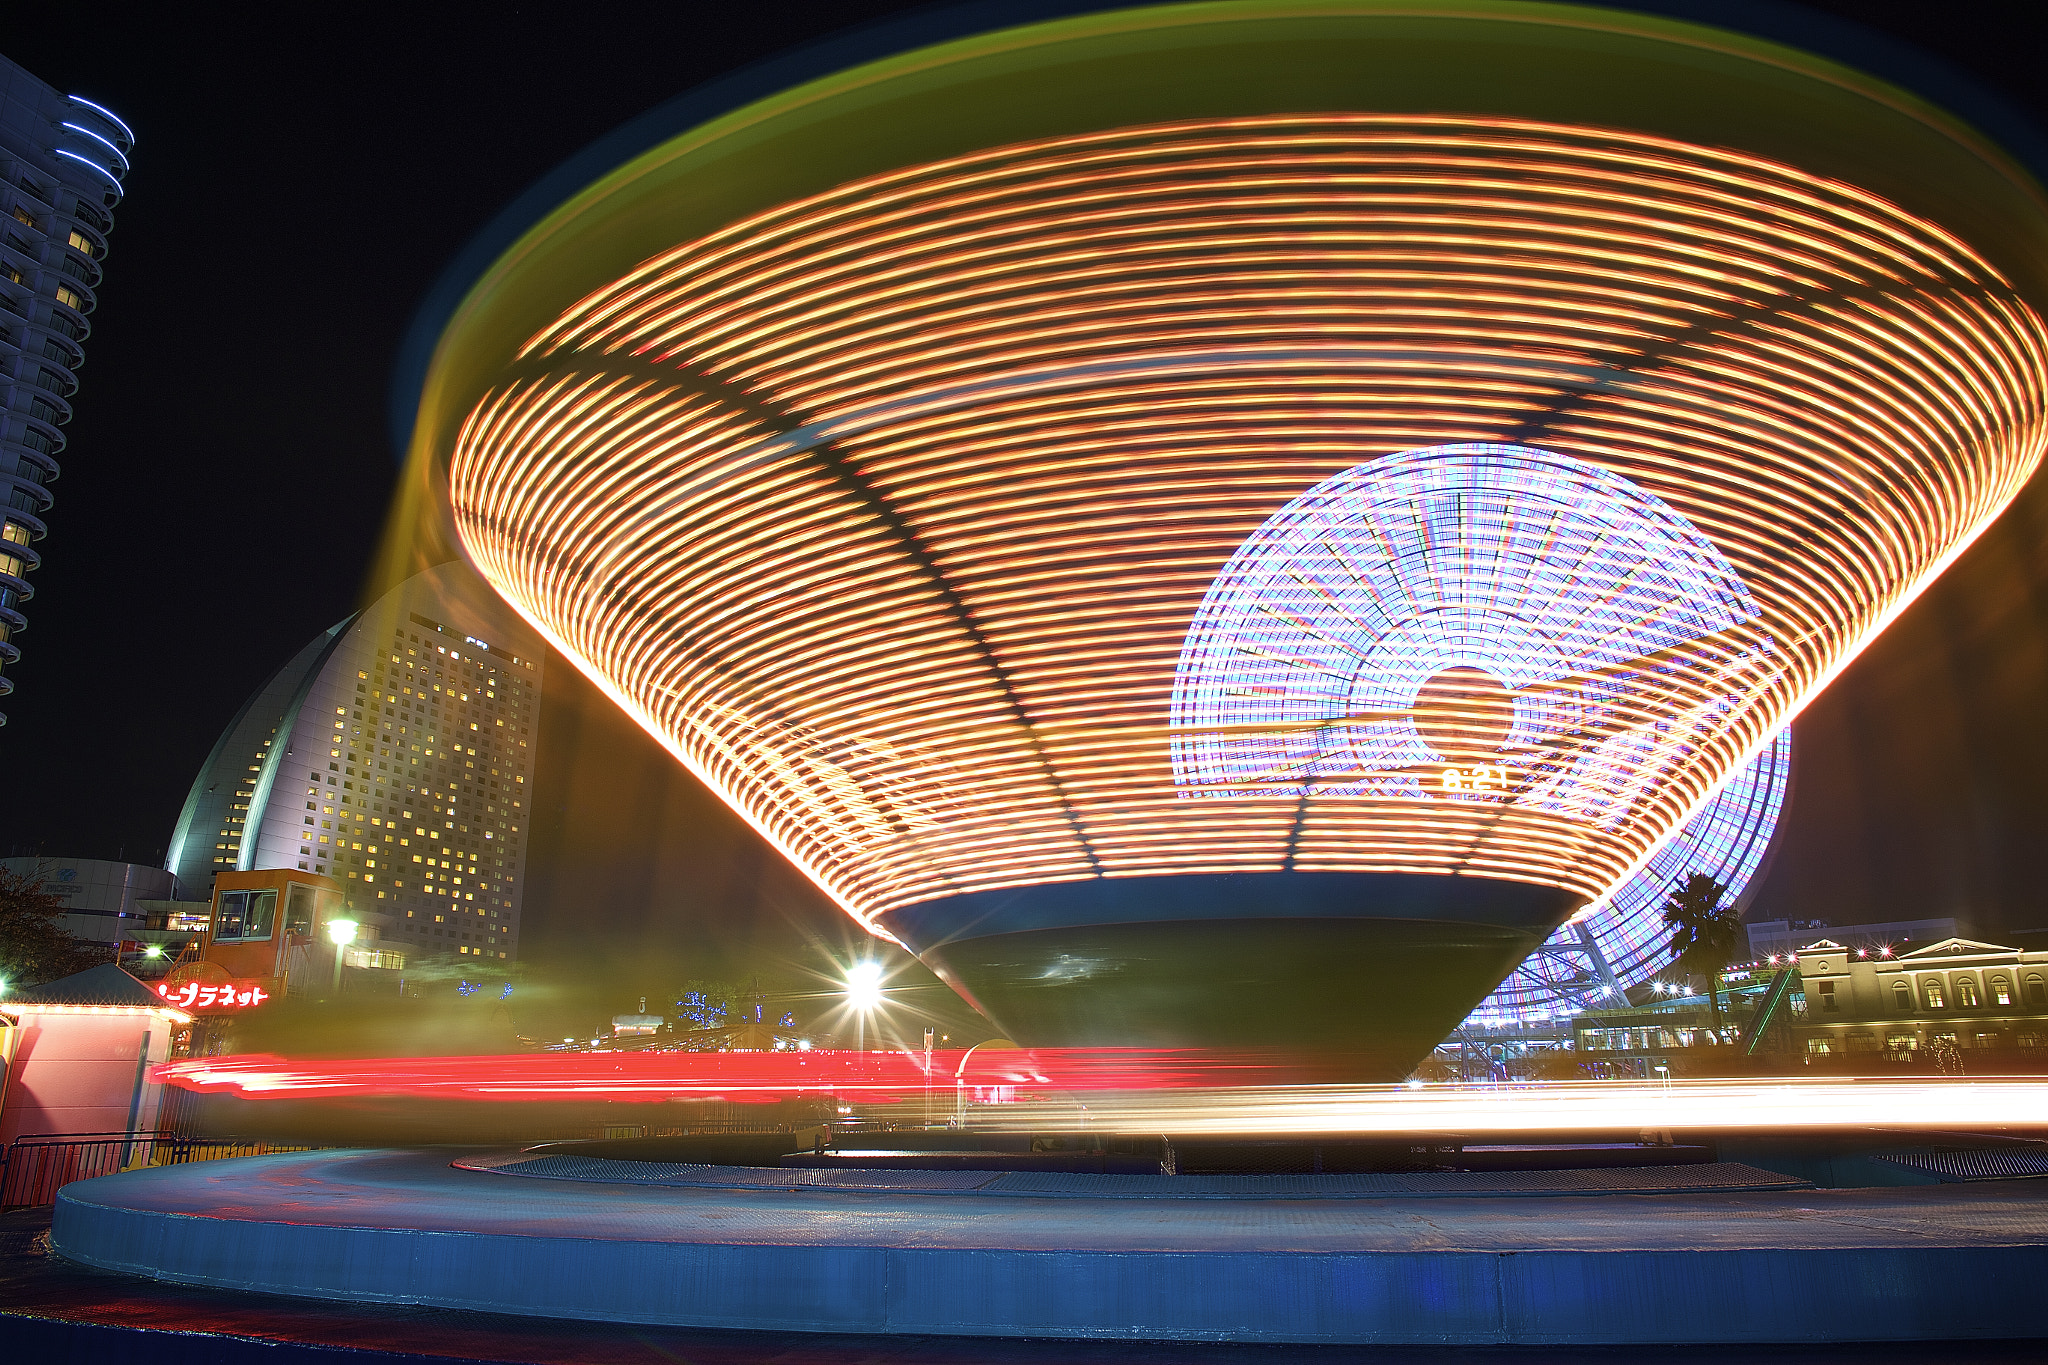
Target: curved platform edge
point(993, 1183)
point(659, 1262)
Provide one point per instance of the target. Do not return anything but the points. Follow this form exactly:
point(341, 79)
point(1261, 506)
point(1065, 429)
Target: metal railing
point(33, 1169)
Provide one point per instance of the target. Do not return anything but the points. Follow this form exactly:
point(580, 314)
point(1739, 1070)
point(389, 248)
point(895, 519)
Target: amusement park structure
point(1238, 522)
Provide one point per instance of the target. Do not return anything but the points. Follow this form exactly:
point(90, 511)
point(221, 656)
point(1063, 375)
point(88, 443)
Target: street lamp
point(342, 932)
point(863, 993)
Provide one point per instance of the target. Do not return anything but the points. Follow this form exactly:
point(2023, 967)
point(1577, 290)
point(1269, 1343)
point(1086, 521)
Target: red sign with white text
point(223, 995)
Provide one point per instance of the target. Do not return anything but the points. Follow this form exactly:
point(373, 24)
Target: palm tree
point(1706, 935)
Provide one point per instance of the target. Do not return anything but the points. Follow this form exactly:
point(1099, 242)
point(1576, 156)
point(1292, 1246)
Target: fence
point(33, 1168)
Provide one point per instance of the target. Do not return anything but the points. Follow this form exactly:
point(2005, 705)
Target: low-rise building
point(274, 933)
point(1957, 1005)
point(105, 902)
point(1962, 993)
point(1672, 1030)
point(76, 1055)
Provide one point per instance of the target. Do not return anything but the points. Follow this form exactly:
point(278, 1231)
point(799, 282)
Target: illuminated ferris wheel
point(1622, 943)
point(1465, 624)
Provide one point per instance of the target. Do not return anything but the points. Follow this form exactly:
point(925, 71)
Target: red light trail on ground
point(744, 1076)
point(1138, 1090)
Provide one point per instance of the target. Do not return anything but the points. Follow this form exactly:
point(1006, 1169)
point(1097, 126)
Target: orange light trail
point(1552, 1108)
point(887, 510)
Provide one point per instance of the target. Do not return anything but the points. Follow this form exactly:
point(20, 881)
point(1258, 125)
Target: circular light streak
point(889, 509)
point(1453, 625)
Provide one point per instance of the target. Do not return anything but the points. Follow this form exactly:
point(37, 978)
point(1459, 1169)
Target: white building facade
point(103, 899)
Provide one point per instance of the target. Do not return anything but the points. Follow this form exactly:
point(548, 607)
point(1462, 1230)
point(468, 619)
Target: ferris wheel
point(1485, 611)
point(1464, 622)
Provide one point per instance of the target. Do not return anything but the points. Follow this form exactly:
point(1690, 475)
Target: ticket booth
point(280, 929)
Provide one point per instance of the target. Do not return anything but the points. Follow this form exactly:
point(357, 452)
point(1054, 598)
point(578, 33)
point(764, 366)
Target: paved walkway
point(1934, 1262)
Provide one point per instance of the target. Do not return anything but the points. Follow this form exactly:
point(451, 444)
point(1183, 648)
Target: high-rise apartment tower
point(62, 160)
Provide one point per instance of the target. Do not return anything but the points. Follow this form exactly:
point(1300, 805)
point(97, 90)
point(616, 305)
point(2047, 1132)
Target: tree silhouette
point(34, 948)
point(1705, 934)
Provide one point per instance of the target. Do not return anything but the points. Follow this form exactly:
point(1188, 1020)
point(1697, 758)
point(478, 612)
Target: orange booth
point(276, 930)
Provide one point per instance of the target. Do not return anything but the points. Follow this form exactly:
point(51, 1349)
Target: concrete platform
point(1692, 1265)
point(994, 1179)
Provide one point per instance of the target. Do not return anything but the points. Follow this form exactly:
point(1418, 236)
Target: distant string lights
point(890, 510)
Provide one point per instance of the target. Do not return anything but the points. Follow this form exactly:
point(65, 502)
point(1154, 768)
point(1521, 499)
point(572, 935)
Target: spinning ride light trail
point(2018, 1102)
point(1136, 1091)
point(1168, 565)
point(1049, 768)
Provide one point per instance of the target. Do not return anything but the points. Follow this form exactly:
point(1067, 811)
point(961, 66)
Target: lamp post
point(342, 932)
point(863, 993)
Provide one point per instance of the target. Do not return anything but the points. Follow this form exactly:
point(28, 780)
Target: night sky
point(298, 186)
